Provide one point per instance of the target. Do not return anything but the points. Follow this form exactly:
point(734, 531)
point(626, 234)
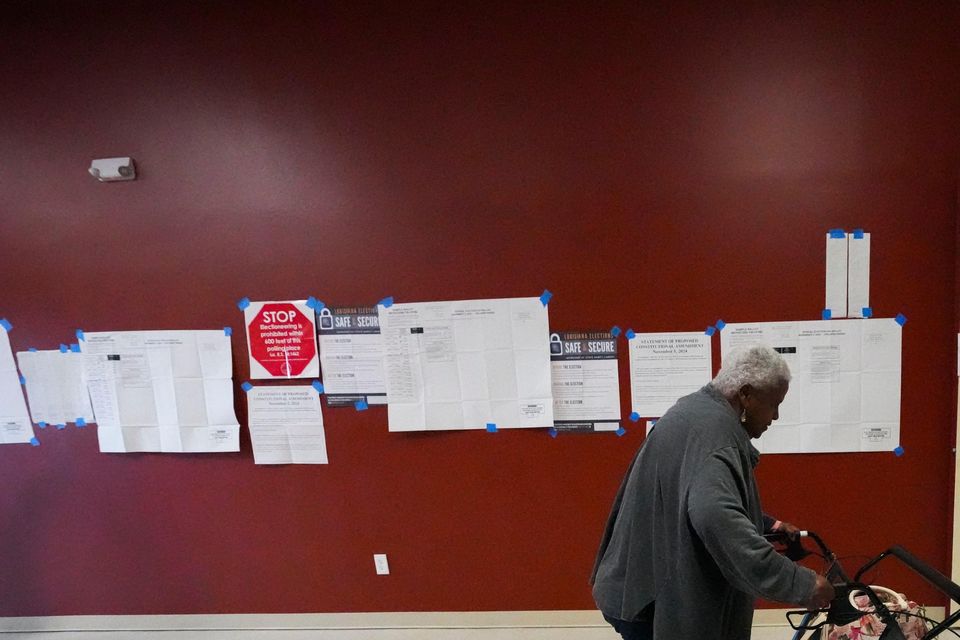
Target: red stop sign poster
point(282, 338)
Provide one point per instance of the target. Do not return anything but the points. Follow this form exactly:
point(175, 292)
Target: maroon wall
point(656, 168)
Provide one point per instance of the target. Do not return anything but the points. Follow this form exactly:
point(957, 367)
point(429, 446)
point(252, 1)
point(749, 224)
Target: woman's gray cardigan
point(686, 530)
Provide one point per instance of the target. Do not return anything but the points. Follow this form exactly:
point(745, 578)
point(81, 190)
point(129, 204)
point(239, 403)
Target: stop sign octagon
point(283, 340)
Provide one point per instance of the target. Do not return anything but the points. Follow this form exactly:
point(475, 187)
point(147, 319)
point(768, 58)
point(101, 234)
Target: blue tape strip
point(23, 380)
point(315, 304)
point(837, 233)
point(545, 297)
point(552, 432)
point(634, 417)
point(5, 324)
point(246, 386)
point(74, 347)
point(243, 303)
point(491, 427)
point(867, 312)
point(316, 385)
point(61, 427)
point(630, 334)
point(360, 405)
point(720, 325)
point(34, 441)
point(901, 319)
point(615, 331)
point(64, 348)
point(858, 234)
point(42, 424)
point(826, 314)
point(386, 302)
point(710, 330)
point(80, 335)
point(899, 451)
point(620, 431)
point(81, 423)
point(32, 349)
point(228, 331)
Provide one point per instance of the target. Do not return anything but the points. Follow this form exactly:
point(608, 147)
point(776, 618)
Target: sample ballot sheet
point(845, 389)
point(168, 391)
point(664, 367)
point(55, 386)
point(15, 424)
point(351, 356)
point(286, 425)
point(586, 381)
point(467, 364)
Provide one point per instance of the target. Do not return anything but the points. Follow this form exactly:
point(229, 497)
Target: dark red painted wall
point(656, 168)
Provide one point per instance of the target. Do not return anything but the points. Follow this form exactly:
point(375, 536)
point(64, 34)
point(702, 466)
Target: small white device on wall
point(113, 169)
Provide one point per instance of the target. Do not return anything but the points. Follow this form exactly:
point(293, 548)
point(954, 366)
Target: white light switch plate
point(380, 562)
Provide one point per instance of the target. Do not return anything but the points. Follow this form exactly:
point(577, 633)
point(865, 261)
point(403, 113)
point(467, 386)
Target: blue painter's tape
point(620, 431)
point(720, 325)
point(837, 233)
point(386, 302)
point(81, 423)
point(42, 424)
point(74, 347)
point(23, 380)
point(32, 349)
point(360, 405)
point(34, 441)
point(634, 417)
point(64, 348)
point(630, 334)
point(901, 319)
point(228, 331)
point(315, 304)
point(898, 451)
point(246, 386)
point(710, 330)
point(545, 297)
point(5, 324)
point(615, 331)
point(826, 314)
point(316, 385)
point(61, 427)
point(552, 432)
point(491, 427)
point(80, 335)
point(867, 312)
point(858, 234)
point(243, 303)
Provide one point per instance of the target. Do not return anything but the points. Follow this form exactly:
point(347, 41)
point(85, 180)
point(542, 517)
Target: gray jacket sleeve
point(717, 514)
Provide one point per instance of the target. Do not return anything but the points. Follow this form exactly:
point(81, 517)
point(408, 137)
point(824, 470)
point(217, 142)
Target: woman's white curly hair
point(759, 366)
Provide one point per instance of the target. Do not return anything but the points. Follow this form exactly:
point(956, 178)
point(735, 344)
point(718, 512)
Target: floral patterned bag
point(870, 627)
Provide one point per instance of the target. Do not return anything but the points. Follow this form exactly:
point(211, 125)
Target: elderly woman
point(683, 555)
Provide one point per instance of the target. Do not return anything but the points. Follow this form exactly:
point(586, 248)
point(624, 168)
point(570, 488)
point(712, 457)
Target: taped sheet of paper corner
point(467, 363)
point(15, 426)
point(163, 391)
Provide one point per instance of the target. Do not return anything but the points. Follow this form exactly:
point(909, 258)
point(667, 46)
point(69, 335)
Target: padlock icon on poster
point(325, 318)
point(556, 344)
